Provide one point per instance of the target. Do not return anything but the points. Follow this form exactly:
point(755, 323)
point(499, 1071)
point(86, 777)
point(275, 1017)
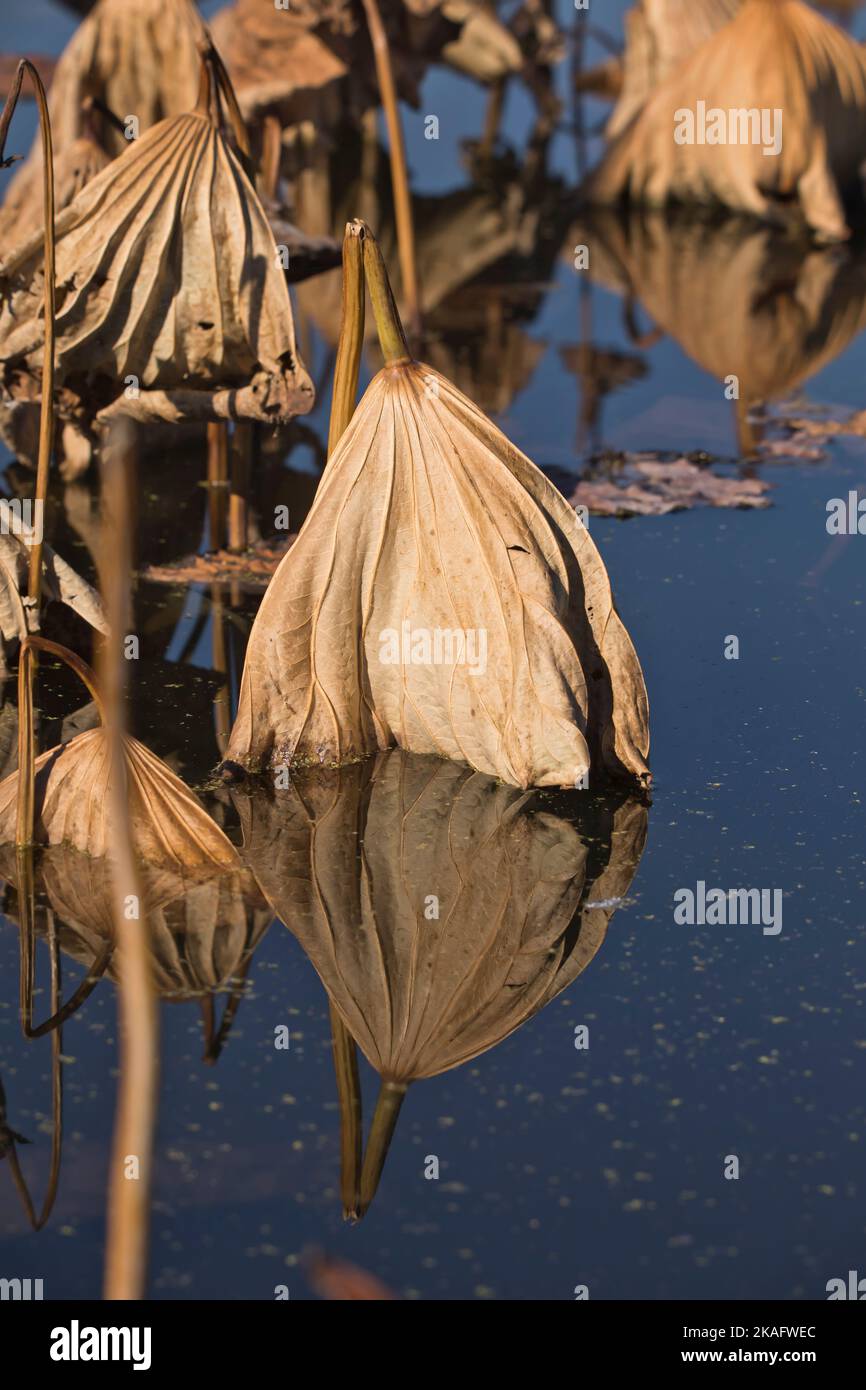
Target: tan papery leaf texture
point(775, 55)
point(278, 63)
point(201, 932)
point(170, 827)
point(139, 59)
point(21, 215)
point(426, 515)
point(349, 860)
point(659, 36)
point(168, 273)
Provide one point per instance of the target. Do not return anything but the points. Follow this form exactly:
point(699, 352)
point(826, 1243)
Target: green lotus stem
point(128, 1216)
point(349, 1093)
point(387, 1112)
point(46, 409)
point(348, 367)
point(392, 339)
point(399, 175)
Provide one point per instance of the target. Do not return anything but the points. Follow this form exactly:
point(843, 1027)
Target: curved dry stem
point(399, 175)
point(24, 830)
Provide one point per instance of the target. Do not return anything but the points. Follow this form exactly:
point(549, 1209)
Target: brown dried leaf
point(170, 827)
point(276, 63)
point(659, 36)
point(776, 55)
point(348, 860)
point(21, 216)
point(59, 582)
point(426, 515)
point(168, 274)
point(652, 487)
point(138, 59)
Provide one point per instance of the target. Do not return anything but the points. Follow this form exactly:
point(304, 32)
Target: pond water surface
point(558, 1165)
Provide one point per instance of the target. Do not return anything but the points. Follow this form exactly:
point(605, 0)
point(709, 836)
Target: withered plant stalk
point(46, 412)
point(399, 174)
point(129, 1193)
point(243, 443)
point(217, 480)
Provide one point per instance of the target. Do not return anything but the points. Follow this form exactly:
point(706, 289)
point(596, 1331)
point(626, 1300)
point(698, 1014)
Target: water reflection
point(740, 299)
point(441, 910)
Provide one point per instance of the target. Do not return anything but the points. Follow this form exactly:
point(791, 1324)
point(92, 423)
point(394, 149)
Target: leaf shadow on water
point(441, 911)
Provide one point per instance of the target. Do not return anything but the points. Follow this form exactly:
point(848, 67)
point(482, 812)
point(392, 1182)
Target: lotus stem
point(399, 175)
point(46, 410)
point(271, 158)
point(213, 83)
point(132, 1152)
point(217, 480)
point(349, 1093)
point(387, 1112)
point(392, 339)
point(242, 454)
point(348, 366)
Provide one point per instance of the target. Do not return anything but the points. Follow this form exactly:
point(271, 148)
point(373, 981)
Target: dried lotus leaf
point(170, 827)
point(775, 56)
point(139, 59)
point(660, 35)
point(168, 274)
point(428, 520)
point(21, 216)
point(277, 63)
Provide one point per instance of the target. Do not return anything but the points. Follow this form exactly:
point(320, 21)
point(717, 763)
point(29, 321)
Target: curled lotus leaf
point(168, 278)
point(442, 596)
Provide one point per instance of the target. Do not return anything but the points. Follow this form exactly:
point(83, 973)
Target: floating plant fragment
point(172, 301)
point(779, 63)
point(441, 596)
point(650, 486)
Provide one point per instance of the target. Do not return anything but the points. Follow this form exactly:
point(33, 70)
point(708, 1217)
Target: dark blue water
point(558, 1168)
